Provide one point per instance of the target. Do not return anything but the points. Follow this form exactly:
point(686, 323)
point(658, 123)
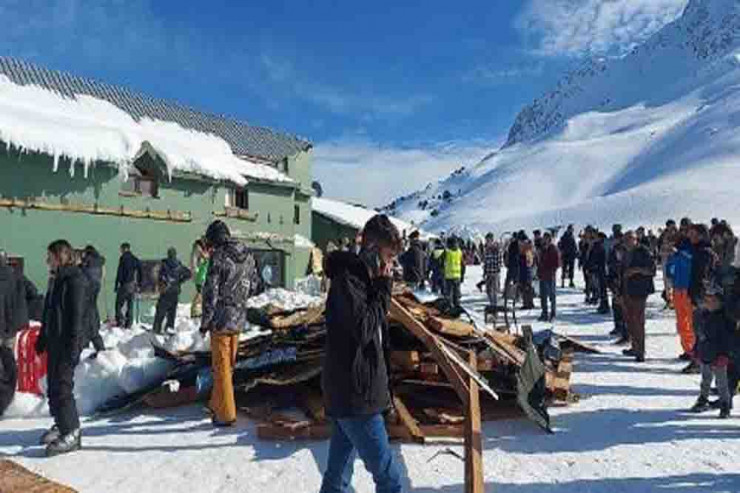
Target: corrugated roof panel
point(244, 139)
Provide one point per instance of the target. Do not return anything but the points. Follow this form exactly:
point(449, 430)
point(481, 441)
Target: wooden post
point(473, 437)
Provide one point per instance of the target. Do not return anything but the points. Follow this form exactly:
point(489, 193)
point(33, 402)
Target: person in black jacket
point(596, 266)
point(128, 278)
point(9, 301)
point(614, 281)
point(703, 264)
point(61, 338)
point(355, 373)
point(92, 266)
point(413, 262)
point(637, 275)
point(171, 276)
point(569, 252)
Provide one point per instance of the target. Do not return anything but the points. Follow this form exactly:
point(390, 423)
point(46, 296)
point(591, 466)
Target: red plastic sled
point(31, 367)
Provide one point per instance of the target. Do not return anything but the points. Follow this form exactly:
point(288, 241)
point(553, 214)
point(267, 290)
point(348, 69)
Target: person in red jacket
point(548, 269)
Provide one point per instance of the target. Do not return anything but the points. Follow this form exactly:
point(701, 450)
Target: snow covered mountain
point(651, 135)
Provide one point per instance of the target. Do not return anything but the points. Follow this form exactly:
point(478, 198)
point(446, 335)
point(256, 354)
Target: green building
point(98, 164)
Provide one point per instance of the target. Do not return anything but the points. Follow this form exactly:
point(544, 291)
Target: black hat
point(217, 233)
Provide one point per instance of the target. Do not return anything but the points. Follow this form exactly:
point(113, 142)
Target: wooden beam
point(398, 312)
point(455, 328)
point(473, 440)
point(408, 421)
point(320, 432)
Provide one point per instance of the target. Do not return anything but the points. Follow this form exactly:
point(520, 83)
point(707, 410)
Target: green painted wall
point(27, 232)
point(326, 230)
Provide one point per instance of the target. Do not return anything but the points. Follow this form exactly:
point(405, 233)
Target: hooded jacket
point(355, 373)
point(715, 335)
point(232, 278)
point(63, 329)
point(172, 273)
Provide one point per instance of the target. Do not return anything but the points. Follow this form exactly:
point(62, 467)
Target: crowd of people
point(698, 262)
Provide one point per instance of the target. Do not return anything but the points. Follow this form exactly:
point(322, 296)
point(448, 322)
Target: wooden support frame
point(466, 388)
point(95, 209)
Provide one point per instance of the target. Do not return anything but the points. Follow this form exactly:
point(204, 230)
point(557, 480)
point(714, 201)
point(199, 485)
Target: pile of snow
point(636, 140)
point(90, 130)
point(352, 215)
point(284, 299)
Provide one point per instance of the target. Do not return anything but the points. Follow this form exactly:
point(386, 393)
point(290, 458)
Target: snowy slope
point(628, 434)
point(634, 140)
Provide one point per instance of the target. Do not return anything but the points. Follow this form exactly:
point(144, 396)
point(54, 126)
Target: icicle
point(72, 168)
point(56, 162)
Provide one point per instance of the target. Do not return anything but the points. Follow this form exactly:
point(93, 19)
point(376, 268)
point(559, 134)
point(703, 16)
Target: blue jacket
point(679, 269)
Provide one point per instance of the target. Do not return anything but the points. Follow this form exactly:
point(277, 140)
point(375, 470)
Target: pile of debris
point(278, 370)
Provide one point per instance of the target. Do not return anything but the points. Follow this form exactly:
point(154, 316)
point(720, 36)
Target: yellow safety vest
point(453, 264)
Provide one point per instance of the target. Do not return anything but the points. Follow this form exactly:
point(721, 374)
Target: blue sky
point(393, 93)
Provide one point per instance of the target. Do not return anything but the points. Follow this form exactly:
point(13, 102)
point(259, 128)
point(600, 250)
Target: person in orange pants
point(232, 278)
point(684, 321)
point(678, 269)
point(223, 358)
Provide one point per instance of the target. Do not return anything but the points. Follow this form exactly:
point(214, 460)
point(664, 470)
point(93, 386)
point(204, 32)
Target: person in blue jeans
point(355, 373)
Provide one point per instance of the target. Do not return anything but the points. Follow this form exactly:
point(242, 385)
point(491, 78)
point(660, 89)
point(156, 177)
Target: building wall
point(326, 230)
point(27, 232)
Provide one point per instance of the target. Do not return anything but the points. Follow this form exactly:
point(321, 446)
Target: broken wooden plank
point(428, 368)
point(408, 420)
point(449, 327)
point(473, 437)
point(445, 417)
point(312, 316)
point(405, 360)
point(567, 342)
point(470, 371)
point(15, 478)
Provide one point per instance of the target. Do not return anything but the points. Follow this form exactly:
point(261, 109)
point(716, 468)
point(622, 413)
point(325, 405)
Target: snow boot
point(603, 309)
point(65, 443)
point(222, 424)
point(724, 410)
point(572, 284)
point(542, 317)
point(684, 357)
point(50, 435)
point(701, 405)
point(640, 358)
point(615, 332)
point(622, 341)
point(629, 352)
point(691, 369)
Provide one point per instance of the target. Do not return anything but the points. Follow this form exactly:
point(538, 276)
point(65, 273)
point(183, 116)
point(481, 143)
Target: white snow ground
point(628, 434)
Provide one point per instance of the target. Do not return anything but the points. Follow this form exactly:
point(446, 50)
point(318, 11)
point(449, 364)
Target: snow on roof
point(352, 215)
point(90, 130)
point(303, 242)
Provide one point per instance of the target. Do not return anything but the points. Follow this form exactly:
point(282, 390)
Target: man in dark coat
point(172, 273)
point(9, 303)
point(128, 277)
point(614, 282)
point(61, 338)
point(569, 253)
point(92, 266)
point(355, 374)
point(596, 265)
point(638, 270)
point(703, 264)
point(232, 278)
point(413, 262)
point(548, 269)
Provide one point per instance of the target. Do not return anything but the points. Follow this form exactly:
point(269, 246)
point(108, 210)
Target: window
point(241, 199)
point(285, 166)
point(141, 182)
point(297, 214)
